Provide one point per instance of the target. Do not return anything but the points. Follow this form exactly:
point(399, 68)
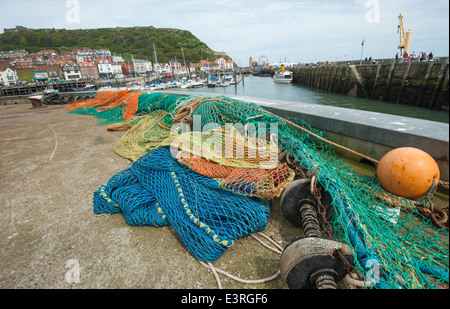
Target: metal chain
point(326, 226)
point(351, 269)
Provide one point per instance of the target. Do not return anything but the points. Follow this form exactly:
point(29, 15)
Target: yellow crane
point(405, 38)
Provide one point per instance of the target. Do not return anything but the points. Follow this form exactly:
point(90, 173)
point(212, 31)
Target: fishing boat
point(212, 82)
point(229, 79)
point(197, 83)
point(171, 84)
point(49, 91)
point(106, 88)
point(159, 86)
point(283, 76)
point(186, 84)
point(223, 83)
point(87, 87)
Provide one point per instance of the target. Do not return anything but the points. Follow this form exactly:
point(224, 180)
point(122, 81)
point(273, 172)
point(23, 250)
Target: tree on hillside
point(137, 41)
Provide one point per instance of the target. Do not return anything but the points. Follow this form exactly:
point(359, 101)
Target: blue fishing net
point(156, 190)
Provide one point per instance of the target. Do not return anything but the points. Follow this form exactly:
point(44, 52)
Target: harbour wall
point(369, 133)
point(24, 99)
point(68, 86)
point(423, 84)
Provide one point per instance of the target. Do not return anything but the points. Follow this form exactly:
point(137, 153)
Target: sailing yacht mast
point(184, 61)
point(156, 57)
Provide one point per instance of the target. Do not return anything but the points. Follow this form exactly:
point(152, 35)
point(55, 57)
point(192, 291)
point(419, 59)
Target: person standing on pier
point(405, 56)
point(424, 54)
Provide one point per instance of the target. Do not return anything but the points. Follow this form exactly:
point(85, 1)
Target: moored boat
point(197, 83)
point(283, 76)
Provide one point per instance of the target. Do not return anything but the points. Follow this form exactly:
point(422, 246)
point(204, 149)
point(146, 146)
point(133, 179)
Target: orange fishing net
point(106, 100)
point(263, 183)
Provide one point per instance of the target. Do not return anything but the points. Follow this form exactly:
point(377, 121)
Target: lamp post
point(362, 47)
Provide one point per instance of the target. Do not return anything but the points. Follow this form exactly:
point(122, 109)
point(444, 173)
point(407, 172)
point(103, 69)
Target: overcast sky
point(295, 31)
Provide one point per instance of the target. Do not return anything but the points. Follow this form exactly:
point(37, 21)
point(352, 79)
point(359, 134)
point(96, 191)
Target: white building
point(157, 68)
point(104, 67)
point(95, 53)
point(117, 58)
point(175, 67)
point(71, 71)
point(8, 77)
point(162, 67)
point(13, 54)
point(142, 67)
point(229, 65)
point(102, 53)
point(116, 68)
point(222, 64)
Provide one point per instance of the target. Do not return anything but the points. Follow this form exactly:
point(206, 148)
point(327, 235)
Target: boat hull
point(282, 80)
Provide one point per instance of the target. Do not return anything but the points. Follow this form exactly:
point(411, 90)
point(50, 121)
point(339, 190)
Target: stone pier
point(422, 84)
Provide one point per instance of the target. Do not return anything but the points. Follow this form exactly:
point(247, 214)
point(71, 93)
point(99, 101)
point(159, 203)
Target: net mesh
point(212, 200)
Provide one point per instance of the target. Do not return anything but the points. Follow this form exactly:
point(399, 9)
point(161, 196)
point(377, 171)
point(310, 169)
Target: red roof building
point(49, 53)
point(60, 62)
point(89, 70)
point(24, 63)
point(127, 68)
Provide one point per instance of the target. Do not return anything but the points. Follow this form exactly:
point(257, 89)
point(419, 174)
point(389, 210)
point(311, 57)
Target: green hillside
point(137, 41)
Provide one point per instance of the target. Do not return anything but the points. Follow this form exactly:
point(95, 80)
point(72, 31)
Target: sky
point(292, 31)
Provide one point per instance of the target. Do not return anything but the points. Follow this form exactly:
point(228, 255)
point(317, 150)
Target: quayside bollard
point(36, 101)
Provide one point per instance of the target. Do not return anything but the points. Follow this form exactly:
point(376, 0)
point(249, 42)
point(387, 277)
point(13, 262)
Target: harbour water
point(264, 87)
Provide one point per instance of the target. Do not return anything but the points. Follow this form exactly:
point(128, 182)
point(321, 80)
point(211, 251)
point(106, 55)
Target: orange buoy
point(407, 172)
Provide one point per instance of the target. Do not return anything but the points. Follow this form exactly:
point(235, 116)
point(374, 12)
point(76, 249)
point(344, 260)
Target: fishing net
point(101, 98)
point(393, 244)
point(122, 107)
point(236, 161)
point(143, 137)
point(207, 219)
point(124, 193)
point(263, 183)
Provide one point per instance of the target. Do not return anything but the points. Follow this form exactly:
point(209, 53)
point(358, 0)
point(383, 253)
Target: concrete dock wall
point(24, 99)
point(422, 84)
point(369, 133)
point(68, 86)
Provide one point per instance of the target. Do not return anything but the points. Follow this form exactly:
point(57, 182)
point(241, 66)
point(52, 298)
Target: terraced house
point(89, 70)
point(8, 77)
point(142, 67)
point(71, 71)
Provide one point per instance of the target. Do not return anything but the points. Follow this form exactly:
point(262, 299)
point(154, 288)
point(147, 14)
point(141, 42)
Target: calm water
point(265, 87)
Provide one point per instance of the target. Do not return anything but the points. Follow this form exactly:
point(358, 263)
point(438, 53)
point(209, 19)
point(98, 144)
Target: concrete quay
point(51, 162)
